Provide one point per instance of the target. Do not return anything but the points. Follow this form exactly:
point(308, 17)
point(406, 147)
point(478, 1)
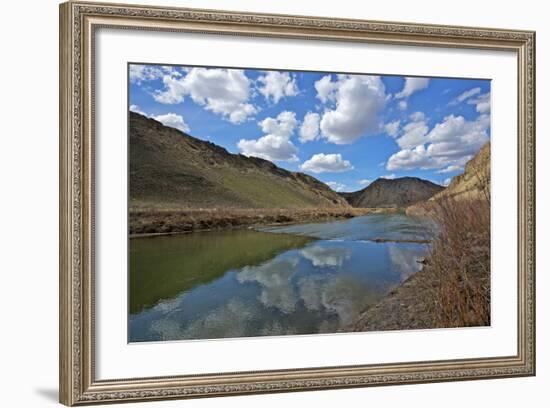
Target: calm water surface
point(300, 279)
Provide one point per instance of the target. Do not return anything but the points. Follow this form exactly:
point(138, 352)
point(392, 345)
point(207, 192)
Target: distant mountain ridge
point(171, 169)
point(399, 192)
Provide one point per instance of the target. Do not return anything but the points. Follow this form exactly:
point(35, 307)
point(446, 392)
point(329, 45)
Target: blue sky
point(346, 130)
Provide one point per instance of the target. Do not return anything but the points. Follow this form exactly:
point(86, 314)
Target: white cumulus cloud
point(365, 182)
point(336, 186)
point(137, 109)
point(417, 116)
point(326, 163)
point(357, 101)
point(173, 120)
point(325, 88)
point(276, 85)
point(283, 125)
point(309, 130)
point(412, 85)
point(408, 159)
point(275, 145)
point(142, 73)
point(222, 91)
point(414, 133)
point(482, 103)
point(451, 142)
point(392, 128)
point(169, 119)
point(388, 176)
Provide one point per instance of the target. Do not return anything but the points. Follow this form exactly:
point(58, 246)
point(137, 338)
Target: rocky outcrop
point(475, 182)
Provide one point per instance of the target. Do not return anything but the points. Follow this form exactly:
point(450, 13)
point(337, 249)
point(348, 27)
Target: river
point(298, 279)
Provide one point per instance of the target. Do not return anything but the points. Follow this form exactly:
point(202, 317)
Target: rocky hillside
point(399, 192)
point(475, 181)
point(170, 169)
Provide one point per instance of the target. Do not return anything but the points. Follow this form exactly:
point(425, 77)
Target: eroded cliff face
point(475, 182)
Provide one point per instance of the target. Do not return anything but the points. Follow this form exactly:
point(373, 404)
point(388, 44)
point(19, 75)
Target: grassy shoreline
point(144, 221)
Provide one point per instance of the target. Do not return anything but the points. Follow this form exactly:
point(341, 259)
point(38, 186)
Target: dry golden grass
point(154, 221)
point(458, 270)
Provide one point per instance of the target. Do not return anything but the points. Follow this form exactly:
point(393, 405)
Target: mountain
point(171, 169)
point(475, 181)
point(399, 192)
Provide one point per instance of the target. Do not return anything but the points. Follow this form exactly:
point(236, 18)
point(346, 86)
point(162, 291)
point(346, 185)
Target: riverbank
point(410, 306)
point(453, 287)
point(159, 221)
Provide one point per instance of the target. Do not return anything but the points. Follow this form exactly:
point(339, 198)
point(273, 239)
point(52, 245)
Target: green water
point(301, 279)
point(162, 267)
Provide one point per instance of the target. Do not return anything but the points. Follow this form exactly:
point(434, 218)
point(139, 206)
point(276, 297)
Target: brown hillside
point(399, 192)
point(170, 169)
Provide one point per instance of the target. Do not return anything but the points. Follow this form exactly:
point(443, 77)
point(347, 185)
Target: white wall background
point(28, 203)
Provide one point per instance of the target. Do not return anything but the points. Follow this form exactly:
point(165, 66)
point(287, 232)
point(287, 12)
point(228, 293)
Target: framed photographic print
point(261, 203)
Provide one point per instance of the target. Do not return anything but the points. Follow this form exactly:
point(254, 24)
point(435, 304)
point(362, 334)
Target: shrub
point(458, 269)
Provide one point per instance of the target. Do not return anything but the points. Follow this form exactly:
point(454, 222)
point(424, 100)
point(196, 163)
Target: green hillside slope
point(170, 169)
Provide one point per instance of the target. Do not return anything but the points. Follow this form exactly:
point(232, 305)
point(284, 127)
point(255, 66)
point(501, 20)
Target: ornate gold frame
point(78, 22)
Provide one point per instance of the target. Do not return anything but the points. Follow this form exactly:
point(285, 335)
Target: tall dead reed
point(458, 268)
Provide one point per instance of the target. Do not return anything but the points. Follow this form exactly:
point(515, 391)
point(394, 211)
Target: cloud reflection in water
point(320, 288)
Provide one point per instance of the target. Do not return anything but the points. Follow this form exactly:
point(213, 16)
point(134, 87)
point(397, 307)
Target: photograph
point(275, 202)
